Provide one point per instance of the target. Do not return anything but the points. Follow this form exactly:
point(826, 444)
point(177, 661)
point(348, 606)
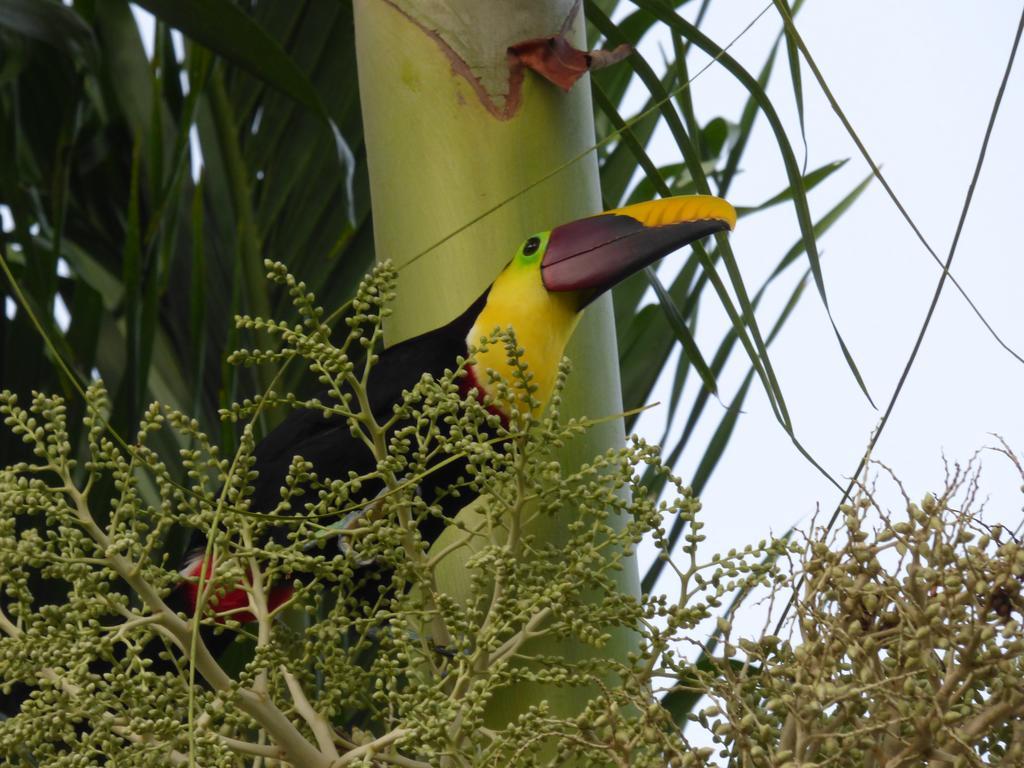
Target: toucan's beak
point(591, 255)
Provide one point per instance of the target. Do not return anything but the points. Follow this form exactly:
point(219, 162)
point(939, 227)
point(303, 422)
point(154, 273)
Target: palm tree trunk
point(448, 139)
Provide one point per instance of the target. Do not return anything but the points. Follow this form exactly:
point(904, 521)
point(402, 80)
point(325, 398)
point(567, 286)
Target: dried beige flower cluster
point(908, 647)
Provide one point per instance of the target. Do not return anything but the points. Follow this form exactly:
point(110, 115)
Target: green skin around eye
point(527, 259)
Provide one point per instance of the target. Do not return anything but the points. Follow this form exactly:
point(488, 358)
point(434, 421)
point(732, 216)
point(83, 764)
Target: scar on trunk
point(555, 59)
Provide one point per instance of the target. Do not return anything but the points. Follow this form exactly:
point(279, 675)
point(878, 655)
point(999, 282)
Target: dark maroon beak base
point(593, 254)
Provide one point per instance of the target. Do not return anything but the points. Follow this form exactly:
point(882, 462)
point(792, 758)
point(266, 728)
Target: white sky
point(917, 80)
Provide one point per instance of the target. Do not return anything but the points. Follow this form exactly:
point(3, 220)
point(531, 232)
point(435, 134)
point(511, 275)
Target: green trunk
point(446, 142)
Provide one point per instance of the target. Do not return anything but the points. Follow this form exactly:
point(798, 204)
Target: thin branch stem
point(370, 749)
point(317, 723)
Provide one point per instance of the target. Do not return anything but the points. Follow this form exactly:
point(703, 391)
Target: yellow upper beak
point(675, 210)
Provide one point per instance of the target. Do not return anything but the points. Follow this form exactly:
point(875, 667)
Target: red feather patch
point(230, 604)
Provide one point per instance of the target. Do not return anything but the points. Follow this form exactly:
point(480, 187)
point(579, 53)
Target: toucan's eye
point(530, 246)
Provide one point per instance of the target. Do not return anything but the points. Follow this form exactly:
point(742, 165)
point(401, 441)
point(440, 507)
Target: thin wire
point(791, 28)
point(931, 308)
point(78, 383)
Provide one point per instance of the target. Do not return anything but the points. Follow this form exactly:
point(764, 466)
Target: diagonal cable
point(931, 308)
point(791, 30)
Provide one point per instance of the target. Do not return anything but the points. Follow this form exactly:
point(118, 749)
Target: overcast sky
point(917, 80)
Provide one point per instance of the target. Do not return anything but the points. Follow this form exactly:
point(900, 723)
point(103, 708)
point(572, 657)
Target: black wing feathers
point(328, 442)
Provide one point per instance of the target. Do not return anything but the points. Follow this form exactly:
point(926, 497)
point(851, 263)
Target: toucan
point(540, 293)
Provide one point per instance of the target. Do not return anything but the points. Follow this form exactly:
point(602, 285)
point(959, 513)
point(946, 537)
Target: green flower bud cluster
point(395, 650)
